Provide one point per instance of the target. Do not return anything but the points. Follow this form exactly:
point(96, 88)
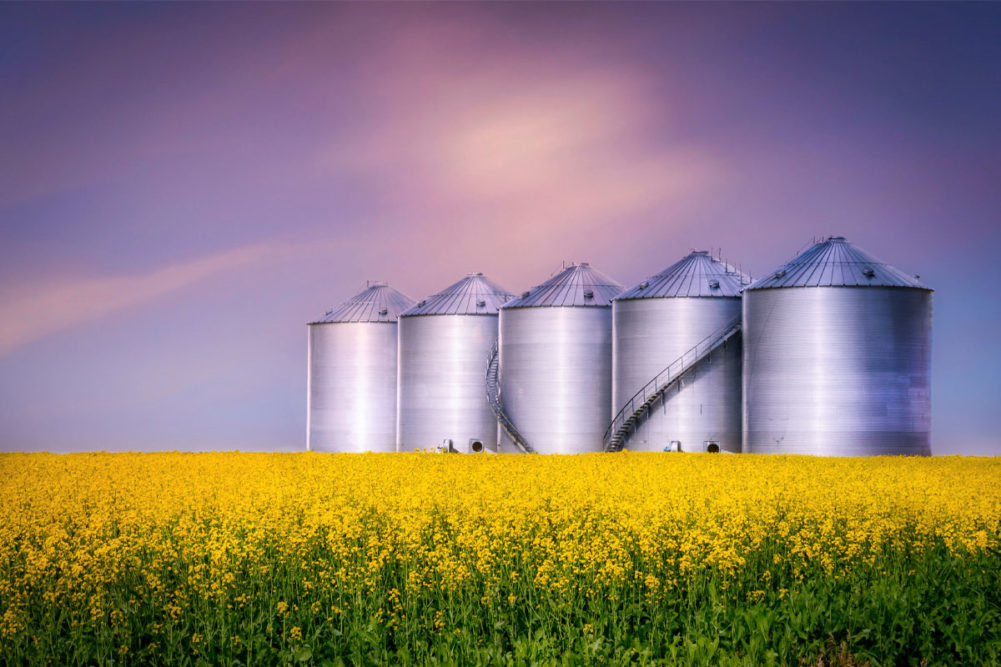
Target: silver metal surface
point(351, 376)
point(838, 370)
point(556, 376)
point(442, 382)
point(507, 427)
point(638, 408)
point(473, 295)
point(576, 285)
point(376, 303)
point(698, 274)
point(445, 341)
point(648, 335)
point(352, 387)
point(836, 263)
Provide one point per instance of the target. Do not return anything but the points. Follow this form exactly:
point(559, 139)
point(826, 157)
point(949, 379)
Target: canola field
point(233, 558)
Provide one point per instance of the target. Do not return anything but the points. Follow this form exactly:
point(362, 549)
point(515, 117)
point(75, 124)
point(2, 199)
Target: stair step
point(497, 405)
point(616, 436)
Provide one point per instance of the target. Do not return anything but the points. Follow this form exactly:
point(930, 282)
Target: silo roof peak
point(576, 285)
point(834, 262)
point(473, 295)
point(696, 275)
point(376, 303)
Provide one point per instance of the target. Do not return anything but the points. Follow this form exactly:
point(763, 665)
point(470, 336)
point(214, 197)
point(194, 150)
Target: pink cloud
point(509, 147)
point(31, 312)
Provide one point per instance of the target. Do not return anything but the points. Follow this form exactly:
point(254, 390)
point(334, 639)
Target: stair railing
point(618, 430)
point(497, 404)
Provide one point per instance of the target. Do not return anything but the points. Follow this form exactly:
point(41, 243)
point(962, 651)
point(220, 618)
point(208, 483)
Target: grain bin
point(351, 382)
point(837, 350)
point(555, 362)
point(445, 342)
point(680, 396)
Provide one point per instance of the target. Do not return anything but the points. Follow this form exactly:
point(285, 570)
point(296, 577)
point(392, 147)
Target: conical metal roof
point(697, 275)
point(473, 295)
point(377, 303)
point(836, 263)
point(576, 285)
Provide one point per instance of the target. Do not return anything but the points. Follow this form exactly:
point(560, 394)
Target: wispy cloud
point(471, 158)
point(30, 312)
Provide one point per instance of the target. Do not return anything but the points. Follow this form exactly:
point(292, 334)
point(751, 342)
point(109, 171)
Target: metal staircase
point(638, 406)
point(497, 405)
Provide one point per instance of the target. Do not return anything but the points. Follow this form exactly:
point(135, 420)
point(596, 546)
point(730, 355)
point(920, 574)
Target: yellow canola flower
point(188, 527)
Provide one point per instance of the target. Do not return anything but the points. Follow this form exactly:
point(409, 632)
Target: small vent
point(384, 311)
point(588, 294)
point(714, 284)
point(869, 273)
point(524, 295)
point(644, 285)
point(481, 303)
point(419, 305)
point(780, 273)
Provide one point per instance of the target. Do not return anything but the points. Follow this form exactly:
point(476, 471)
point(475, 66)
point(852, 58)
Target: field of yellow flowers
point(608, 558)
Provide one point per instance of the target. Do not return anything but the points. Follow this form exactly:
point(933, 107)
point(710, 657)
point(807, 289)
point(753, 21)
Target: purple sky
point(183, 186)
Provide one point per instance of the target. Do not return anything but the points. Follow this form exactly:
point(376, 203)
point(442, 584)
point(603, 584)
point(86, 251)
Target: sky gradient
point(183, 186)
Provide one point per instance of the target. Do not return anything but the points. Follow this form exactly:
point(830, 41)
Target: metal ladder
point(497, 405)
point(636, 407)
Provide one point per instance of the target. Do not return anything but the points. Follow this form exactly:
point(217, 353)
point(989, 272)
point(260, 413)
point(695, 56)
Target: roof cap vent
point(584, 264)
point(835, 262)
point(473, 295)
point(697, 274)
point(567, 290)
point(376, 303)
